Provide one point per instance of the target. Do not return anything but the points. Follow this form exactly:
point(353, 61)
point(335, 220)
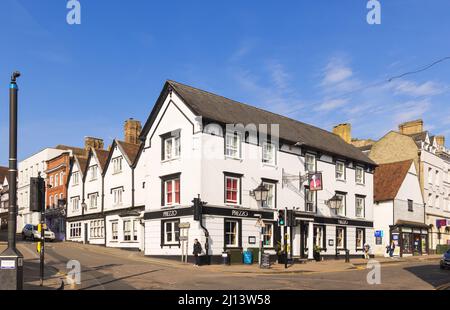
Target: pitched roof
point(388, 179)
point(82, 162)
point(227, 111)
point(4, 172)
point(418, 137)
point(131, 150)
point(102, 156)
point(75, 150)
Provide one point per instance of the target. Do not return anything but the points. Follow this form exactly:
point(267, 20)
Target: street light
point(11, 260)
point(335, 202)
point(261, 194)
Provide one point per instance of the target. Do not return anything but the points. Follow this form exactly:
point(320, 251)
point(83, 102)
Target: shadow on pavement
point(431, 274)
point(119, 279)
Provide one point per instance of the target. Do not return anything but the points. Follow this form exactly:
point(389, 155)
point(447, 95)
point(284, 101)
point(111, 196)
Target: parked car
point(31, 232)
point(445, 261)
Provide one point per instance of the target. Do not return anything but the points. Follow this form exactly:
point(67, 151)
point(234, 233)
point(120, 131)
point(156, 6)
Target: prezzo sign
point(239, 213)
point(343, 222)
point(170, 213)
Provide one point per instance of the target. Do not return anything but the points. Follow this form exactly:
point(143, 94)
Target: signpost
point(260, 223)
point(184, 239)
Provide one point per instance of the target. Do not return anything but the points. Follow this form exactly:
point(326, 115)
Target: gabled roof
point(226, 111)
point(4, 172)
point(102, 156)
point(130, 151)
point(75, 150)
point(82, 164)
point(388, 179)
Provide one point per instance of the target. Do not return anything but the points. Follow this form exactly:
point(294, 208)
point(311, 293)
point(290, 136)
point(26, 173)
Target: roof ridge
point(250, 106)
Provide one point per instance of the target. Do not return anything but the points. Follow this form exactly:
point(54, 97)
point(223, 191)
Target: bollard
point(347, 256)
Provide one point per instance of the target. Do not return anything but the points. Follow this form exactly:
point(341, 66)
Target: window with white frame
point(75, 178)
point(117, 164)
point(171, 232)
point(115, 230)
point(56, 180)
point(360, 205)
point(340, 170)
point(171, 192)
point(232, 190)
point(267, 232)
point(359, 173)
point(171, 147)
point(359, 238)
point(136, 224)
point(341, 211)
point(231, 233)
point(75, 230)
point(310, 200)
point(127, 230)
point(97, 229)
point(232, 145)
point(319, 234)
point(93, 172)
point(75, 203)
point(93, 200)
point(340, 238)
point(269, 153)
point(430, 175)
point(271, 199)
point(117, 195)
point(51, 181)
point(61, 178)
point(310, 163)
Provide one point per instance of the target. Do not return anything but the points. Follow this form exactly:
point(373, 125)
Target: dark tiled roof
point(227, 111)
point(130, 150)
point(4, 172)
point(82, 160)
point(421, 136)
point(75, 150)
point(389, 178)
point(102, 156)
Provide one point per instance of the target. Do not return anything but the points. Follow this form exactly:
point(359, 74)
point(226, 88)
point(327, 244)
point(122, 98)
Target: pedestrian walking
point(392, 249)
point(197, 252)
point(366, 251)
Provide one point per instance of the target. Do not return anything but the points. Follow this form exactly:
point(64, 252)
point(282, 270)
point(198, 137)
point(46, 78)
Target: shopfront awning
point(401, 223)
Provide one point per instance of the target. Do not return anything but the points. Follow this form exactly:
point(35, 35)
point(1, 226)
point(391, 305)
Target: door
point(417, 245)
point(303, 239)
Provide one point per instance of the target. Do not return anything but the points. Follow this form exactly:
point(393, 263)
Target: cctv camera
point(15, 75)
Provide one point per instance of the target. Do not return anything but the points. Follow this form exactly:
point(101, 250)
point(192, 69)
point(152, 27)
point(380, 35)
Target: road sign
point(260, 223)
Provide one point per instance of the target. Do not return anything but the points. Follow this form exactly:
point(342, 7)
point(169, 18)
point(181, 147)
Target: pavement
point(113, 269)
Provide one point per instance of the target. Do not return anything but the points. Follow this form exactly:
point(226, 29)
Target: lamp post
point(261, 194)
point(11, 260)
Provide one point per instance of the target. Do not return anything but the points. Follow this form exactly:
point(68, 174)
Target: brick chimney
point(440, 140)
point(344, 131)
point(95, 143)
point(412, 127)
point(132, 130)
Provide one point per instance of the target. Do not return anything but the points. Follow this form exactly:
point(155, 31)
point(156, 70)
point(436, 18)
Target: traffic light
point(281, 218)
point(37, 194)
point(198, 208)
point(290, 218)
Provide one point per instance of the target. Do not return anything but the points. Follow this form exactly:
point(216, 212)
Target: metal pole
point(11, 271)
point(42, 253)
point(261, 236)
point(12, 180)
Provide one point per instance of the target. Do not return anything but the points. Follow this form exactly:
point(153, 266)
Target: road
point(111, 269)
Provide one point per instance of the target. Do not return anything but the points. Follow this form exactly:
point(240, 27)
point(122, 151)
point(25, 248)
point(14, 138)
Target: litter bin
point(248, 257)
point(225, 258)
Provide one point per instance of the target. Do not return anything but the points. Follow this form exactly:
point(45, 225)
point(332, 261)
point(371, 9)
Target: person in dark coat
point(197, 252)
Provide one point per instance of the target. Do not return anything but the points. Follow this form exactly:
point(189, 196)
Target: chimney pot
point(344, 131)
point(412, 127)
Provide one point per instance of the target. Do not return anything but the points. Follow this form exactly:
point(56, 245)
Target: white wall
point(93, 186)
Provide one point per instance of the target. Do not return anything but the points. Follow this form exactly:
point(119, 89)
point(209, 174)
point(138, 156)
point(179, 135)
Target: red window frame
point(232, 190)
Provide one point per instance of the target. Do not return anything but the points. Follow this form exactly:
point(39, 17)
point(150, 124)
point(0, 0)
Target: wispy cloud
point(331, 105)
point(412, 110)
point(336, 72)
point(414, 89)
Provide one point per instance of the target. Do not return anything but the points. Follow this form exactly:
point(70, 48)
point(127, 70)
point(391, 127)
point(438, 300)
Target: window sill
point(275, 166)
point(115, 173)
point(233, 158)
point(230, 205)
point(360, 184)
point(169, 160)
point(171, 206)
point(341, 180)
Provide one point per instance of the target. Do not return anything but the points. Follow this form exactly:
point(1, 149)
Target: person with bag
point(197, 252)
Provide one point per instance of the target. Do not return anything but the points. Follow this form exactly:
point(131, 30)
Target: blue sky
point(298, 58)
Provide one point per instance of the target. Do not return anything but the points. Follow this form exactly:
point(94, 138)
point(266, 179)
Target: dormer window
point(269, 153)
point(75, 178)
point(233, 145)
